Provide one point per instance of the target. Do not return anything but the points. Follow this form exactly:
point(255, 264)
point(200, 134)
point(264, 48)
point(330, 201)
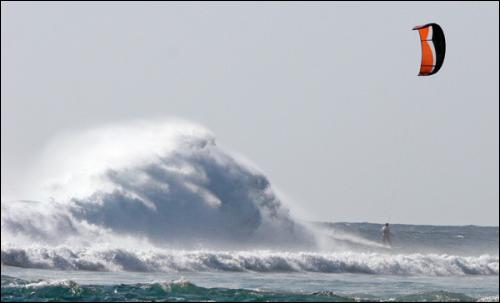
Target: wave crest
point(255, 261)
point(167, 182)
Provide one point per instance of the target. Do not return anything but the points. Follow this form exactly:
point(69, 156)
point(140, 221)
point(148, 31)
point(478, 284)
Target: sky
point(323, 97)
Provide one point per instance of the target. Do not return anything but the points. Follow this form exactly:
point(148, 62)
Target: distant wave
point(14, 289)
point(254, 261)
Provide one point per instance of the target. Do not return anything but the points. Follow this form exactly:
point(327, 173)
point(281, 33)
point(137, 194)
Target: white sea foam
point(162, 260)
point(488, 299)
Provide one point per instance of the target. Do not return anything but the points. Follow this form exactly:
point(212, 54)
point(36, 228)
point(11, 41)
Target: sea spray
point(165, 183)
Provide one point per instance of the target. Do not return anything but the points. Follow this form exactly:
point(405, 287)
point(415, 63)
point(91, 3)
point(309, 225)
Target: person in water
point(386, 235)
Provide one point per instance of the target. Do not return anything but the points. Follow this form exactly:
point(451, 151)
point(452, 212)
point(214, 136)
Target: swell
point(160, 260)
point(14, 289)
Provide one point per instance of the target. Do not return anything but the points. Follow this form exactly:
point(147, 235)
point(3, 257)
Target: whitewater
point(161, 199)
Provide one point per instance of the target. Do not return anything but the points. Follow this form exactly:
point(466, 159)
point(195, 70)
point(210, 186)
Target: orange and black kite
point(433, 48)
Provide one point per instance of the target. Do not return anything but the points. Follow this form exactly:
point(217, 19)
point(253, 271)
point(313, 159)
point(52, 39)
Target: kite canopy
point(433, 48)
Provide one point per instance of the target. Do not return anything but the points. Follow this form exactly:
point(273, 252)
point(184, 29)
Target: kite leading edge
point(433, 48)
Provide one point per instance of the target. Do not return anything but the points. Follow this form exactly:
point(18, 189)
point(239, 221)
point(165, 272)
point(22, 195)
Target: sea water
point(158, 211)
point(438, 274)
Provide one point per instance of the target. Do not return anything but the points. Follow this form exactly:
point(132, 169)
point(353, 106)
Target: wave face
point(16, 290)
point(161, 183)
point(251, 261)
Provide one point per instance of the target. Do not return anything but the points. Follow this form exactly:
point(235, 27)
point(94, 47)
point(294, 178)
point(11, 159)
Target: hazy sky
point(323, 97)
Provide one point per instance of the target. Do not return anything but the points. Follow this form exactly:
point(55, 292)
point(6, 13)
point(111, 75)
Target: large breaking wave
point(165, 183)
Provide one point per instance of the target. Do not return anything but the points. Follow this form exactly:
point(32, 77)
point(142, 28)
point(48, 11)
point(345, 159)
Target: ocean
point(176, 217)
point(453, 263)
